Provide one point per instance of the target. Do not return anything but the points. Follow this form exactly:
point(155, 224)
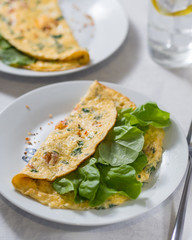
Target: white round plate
point(102, 36)
point(59, 99)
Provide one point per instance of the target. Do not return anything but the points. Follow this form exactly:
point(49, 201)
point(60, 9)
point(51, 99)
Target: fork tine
point(189, 134)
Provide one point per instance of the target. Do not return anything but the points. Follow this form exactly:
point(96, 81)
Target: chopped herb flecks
point(97, 117)
point(76, 151)
point(59, 46)
point(153, 150)
point(57, 36)
point(90, 137)
point(34, 170)
point(40, 46)
point(112, 205)
point(19, 37)
point(79, 126)
point(55, 151)
point(85, 110)
point(64, 162)
point(80, 143)
point(100, 208)
point(152, 169)
point(59, 18)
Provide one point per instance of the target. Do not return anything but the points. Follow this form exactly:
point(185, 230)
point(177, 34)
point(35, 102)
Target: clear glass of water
point(170, 37)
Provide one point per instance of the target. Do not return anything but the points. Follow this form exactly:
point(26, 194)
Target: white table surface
point(131, 67)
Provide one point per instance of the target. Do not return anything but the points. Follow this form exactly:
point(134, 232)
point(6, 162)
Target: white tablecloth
point(131, 67)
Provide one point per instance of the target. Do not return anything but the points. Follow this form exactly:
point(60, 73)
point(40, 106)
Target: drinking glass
point(170, 32)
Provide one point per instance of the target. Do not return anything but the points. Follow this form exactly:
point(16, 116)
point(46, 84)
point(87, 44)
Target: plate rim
point(29, 73)
point(113, 220)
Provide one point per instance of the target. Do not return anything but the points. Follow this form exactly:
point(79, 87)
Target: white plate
point(101, 39)
point(59, 99)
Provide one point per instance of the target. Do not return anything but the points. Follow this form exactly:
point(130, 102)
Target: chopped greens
point(76, 151)
point(59, 18)
point(79, 126)
point(80, 143)
point(85, 110)
point(60, 47)
point(118, 159)
point(64, 162)
point(98, 117)
point(57, 36)
point(40, 46)
point(34, 170)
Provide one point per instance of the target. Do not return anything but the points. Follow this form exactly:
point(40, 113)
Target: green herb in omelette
point(34, 170)
point(76, 151)
point(57, 36)
point(85, 110)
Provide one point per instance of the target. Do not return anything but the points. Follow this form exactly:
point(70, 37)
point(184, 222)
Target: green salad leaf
point(121, 146)
point(3, 43)
point(11, 56)
point(145, 115)
point(122, 179)
point(90, 176)
point(139, 163)
point(69, 184)
point(118, 159)
point(103, 193)
point(83, 182)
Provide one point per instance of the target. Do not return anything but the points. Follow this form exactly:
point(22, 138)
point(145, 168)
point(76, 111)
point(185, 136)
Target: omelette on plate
point(98, 156)
point(37, 32)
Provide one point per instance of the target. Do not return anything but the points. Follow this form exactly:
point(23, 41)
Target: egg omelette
point(38, 29)
point(62, 152)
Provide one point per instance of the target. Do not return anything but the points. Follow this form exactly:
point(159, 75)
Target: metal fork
point(178, 228)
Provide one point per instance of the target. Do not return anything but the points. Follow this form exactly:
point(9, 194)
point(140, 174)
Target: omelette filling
point(125, 159)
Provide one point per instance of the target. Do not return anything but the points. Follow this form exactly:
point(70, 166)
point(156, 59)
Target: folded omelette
point(38, 29)
point(75, 141)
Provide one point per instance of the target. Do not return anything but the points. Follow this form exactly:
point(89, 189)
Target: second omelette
point(38, 29)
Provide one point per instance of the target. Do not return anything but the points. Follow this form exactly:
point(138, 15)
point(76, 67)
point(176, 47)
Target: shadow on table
point(183, 73)
point(113, 69)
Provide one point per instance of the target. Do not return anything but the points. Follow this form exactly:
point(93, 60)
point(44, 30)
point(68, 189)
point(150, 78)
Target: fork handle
point(178, 228)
